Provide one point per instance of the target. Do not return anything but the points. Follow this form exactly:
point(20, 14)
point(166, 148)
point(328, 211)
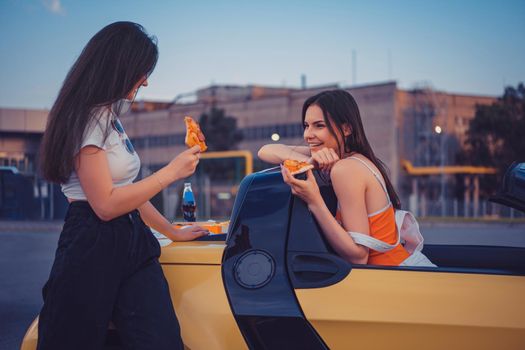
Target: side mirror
point(512, 192)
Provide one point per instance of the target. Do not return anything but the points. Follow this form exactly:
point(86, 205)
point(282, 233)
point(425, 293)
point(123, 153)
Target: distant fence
point(457, 208)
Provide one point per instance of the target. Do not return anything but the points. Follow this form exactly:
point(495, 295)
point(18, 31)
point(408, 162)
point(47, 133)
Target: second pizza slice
point(297, 167)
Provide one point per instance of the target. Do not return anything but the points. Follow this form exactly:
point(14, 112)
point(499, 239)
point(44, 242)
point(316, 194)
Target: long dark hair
point(110, 65)
point(340, 110)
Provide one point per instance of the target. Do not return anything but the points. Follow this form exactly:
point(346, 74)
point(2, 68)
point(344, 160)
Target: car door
point(254, 271)
point(373, 307)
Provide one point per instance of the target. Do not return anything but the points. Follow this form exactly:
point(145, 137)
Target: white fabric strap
point(373, 243)
point(407, 229)
point(416, 258)
point(376, 175)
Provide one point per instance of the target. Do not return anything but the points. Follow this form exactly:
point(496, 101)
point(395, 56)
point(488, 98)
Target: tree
point(221, 135)
point(221, 131)
point(496, 135)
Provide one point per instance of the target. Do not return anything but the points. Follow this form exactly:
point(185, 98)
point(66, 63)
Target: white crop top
point(123, 166)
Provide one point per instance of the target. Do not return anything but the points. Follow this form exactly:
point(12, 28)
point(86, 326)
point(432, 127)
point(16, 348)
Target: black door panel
point(254, 268)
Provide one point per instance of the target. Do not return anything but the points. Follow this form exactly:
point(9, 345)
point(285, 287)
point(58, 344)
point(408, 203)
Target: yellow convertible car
point(273, 282)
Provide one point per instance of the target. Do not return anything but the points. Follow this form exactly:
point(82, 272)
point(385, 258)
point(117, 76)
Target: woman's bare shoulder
point(360, 161)
point(348, 164)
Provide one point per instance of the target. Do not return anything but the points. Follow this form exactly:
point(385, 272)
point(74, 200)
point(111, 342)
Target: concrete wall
point(392, 126)
point(376, 103)
point(20, 134)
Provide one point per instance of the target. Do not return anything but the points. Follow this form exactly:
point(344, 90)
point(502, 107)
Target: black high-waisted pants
point(106, 271)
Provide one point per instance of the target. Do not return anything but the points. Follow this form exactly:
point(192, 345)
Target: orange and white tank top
point(382, 226)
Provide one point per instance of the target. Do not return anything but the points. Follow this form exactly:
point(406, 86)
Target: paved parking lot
point(25, 261)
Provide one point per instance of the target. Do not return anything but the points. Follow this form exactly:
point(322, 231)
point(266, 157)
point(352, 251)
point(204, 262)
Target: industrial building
point(414, 132)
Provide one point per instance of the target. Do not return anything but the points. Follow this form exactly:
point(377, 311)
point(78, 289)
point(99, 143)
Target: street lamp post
point(442, 150)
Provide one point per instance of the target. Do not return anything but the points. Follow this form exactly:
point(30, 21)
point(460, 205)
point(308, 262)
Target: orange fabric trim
point(382, 226)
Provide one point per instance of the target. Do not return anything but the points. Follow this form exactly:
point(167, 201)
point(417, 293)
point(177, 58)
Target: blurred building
point(20, 135)
point(415, 128)
point(23, 194)
point(406, 128)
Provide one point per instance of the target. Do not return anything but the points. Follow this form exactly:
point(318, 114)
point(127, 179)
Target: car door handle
point(311, 270)
point(327, 267)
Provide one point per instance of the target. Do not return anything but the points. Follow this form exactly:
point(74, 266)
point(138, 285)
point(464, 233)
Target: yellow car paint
point(194, 252)
point(390, 309)
point(194, 275)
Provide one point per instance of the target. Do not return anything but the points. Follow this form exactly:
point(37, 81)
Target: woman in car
point(106, 265)
point(338, 147)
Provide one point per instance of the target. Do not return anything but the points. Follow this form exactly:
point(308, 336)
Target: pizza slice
point(193, 131)
point(297, 167)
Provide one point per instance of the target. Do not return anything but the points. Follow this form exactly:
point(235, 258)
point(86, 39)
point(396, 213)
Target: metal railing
point(456, 208)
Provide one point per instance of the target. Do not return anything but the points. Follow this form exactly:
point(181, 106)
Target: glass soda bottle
point(188, 203)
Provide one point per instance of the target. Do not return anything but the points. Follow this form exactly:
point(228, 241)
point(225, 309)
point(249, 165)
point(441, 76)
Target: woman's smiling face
point(316, 132)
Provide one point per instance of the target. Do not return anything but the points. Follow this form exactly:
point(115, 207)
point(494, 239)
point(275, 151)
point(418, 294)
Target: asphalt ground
point(27, 251)
point(25, 262)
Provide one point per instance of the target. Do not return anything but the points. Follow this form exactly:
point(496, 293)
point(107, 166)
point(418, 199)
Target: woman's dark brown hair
point(110, 65)
point(341, 108)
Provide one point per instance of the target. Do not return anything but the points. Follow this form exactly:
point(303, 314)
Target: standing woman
point(337, 145)
point(106, 265)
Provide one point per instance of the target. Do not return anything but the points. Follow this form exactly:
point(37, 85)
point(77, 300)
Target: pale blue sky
point(464, 46)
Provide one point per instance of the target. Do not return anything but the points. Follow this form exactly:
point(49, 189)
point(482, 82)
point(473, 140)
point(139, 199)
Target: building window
point(262, 132)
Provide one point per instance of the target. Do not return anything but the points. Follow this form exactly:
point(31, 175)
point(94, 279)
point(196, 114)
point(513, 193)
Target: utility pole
point(440, 105)
point(442, 145)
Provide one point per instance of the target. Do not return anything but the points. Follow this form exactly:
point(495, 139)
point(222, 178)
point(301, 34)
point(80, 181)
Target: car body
point(273, 282)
